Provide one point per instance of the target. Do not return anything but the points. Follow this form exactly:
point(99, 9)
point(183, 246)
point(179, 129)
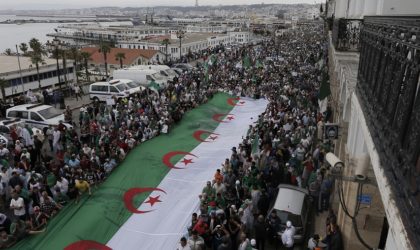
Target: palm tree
point(74, 54)
point(38, 51)
point(24, 48)
point(8, 52)
point(104, 48)
point(86, 57)
point(120, 57)
point(166, 42)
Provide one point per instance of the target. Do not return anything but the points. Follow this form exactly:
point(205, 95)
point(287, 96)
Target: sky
point(60, 4)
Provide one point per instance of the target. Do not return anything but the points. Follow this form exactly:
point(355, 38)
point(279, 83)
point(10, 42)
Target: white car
point(37, 115)
point(293, 204)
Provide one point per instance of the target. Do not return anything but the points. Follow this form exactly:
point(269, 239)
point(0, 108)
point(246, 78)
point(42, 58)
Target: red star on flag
point(230, 118)
point(153, 200)
point(211, 137)
point(187, 161)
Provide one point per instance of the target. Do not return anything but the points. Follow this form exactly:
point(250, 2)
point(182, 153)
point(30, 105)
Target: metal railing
point(346, 34)
point(389, 91)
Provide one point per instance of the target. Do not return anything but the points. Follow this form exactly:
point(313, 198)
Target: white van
point(164, 70)
point(141, 76)
point(101, 91)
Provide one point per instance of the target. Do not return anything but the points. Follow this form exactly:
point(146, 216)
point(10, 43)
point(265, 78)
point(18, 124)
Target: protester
point(61, 164)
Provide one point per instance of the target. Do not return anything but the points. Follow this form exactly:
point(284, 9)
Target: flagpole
point(20, 70)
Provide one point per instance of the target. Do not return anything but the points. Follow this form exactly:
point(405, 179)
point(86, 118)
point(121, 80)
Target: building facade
point(374, 72)
point(19, 81)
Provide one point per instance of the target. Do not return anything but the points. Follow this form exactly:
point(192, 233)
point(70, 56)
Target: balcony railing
point(389, 90)
point(346, 34)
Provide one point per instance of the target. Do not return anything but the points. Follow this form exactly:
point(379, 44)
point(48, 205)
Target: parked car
point(183, 66)
point(37, 115)
point(293, 204)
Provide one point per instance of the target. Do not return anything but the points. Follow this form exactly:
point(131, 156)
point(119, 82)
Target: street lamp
point(180, 34)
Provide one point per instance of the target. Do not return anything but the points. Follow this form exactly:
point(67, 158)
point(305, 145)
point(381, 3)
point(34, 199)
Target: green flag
point(259, 65)
point(154, 86)
point(206, 71)
point(246, 62)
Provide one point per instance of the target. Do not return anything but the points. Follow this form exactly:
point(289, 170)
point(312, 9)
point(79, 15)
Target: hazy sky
point(58, 4)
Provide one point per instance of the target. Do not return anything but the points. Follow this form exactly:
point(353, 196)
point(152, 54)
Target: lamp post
point(180, 34)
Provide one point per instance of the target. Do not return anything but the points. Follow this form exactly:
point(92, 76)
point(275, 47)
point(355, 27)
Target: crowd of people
point(48, 170)
point(284, 147)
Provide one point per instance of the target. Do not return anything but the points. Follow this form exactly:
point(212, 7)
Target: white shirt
point(63, 185)
point(179, 247)
point(287, 236)
point(19, 205)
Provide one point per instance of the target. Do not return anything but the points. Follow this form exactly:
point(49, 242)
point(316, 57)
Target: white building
point(191, 42)
point(9, 71)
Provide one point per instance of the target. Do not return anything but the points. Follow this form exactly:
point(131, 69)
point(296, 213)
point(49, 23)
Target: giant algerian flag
point(148, 200)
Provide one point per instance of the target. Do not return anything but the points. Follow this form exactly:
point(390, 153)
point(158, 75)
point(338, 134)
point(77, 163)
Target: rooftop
point(9, 64)
point(130, 55)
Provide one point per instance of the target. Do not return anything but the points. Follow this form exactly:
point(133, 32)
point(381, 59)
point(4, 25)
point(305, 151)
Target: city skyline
point(52, 4)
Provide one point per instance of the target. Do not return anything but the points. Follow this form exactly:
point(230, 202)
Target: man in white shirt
point(182, 245)
point(18, 206)
point(287, 236)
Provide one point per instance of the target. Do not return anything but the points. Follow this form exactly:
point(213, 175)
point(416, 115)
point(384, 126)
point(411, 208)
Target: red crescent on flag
point(166, 159)
point(217, 117)
point(131, 193)
point(231, 101)
point(198, 133)
point(87, 245)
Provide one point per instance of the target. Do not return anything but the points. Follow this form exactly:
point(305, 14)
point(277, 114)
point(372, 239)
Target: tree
point(8, 52)
point(104, 48)
point(86, 57)
point(120, 57)
point(166, 42)
point(74, 54)
point(37, 53)
point(24, 48)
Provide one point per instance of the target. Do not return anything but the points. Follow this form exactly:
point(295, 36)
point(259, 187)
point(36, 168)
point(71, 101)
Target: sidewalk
point(76, 104)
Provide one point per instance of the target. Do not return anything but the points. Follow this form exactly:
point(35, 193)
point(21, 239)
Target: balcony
point(346, 34)
point(388, 88)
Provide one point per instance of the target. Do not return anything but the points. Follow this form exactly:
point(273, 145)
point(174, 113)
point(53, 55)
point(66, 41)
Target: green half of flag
point(99, 217)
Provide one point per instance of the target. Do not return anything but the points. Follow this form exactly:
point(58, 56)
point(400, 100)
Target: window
point(100, 88)
point(12, 114)
point(35, 117)
point(23, 114)
point(113, 89)
point(49, 113)
point(4, 129)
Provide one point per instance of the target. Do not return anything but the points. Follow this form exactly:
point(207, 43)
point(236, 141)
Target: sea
point(12, 34)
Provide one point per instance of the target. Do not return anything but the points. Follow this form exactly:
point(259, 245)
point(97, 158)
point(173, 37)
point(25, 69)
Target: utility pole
point(20, 71)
